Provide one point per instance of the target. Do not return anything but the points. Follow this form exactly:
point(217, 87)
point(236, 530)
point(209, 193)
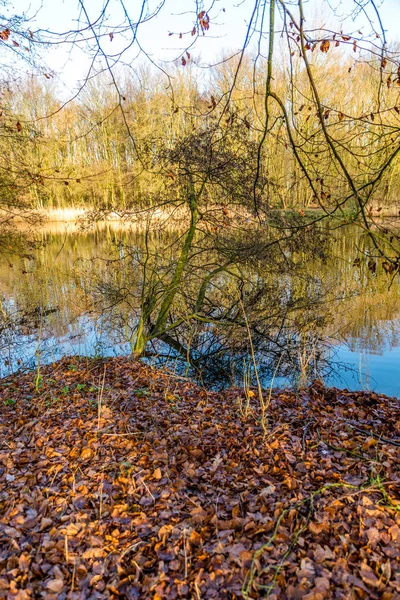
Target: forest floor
point(120, 481)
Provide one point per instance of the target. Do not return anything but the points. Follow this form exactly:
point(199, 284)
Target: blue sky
point(229, 19)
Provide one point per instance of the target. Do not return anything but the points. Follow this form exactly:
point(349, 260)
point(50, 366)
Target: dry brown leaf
point(198, 514)
point(157, 474)
point(94, 553)
point(394, 532)
point(373, 535)
point(55, 585)
point(368, 576)
point(86, 453)
point(195, 538)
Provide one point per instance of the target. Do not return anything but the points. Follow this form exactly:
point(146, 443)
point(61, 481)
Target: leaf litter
point(121, 481)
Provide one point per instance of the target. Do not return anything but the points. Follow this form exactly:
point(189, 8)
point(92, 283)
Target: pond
point(65, 297)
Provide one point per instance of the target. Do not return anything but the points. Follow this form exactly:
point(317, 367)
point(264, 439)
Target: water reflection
point(61, 299)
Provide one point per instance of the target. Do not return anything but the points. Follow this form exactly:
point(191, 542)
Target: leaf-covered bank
point(119, 481)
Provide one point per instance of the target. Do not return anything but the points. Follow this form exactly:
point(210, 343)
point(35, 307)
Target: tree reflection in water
point(297, 303)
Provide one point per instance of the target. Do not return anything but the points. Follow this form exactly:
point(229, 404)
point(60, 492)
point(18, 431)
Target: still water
point(60, 299)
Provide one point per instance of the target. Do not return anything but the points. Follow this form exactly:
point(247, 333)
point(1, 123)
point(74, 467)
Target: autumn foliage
point(118, 481)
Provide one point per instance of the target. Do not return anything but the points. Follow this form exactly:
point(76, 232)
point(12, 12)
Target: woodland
point(179, 470)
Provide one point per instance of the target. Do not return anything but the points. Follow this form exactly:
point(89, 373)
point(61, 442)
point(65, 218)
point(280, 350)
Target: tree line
point(108, 147)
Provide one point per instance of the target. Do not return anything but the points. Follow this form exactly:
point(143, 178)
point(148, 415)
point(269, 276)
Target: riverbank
point(120, 481)
point(75, 216)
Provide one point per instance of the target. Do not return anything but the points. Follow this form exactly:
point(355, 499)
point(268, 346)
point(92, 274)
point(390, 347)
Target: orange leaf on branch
point(204, 21)
point(325, 45)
